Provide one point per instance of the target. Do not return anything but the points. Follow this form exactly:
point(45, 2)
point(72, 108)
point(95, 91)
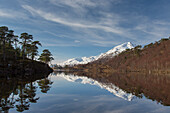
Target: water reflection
point(108, 86)
point(45, 85)
point(154, 87)
point(86, 92)
point(19, 93)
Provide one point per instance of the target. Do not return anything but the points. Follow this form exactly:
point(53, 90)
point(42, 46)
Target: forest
point(19, 54)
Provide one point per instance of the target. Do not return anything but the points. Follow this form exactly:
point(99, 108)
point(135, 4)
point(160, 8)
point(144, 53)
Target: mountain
point(84, 60)
point(109, 86)
point(152, 58)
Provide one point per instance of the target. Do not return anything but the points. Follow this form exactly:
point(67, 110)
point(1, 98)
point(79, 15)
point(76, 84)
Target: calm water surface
point(68, 93)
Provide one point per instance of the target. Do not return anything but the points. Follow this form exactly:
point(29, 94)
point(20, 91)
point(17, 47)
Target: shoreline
point(25, 68)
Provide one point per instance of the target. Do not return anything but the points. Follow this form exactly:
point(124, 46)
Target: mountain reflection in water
point(154, 87)
point(86, 92)
point(108, 86)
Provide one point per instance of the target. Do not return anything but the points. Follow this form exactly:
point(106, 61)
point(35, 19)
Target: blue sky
point(76, 28)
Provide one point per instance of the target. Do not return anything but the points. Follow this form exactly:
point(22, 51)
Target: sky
point(77, 28)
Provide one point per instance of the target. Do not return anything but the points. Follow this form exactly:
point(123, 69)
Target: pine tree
point(46, 56)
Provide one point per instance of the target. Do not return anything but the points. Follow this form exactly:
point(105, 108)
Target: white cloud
point(81, 7)
point(157, 29)
point(56, 35)
point(104, 43)
point(84, 3)
point(58, 44)
point(53, 42)
point(101, 30)
point(107, 23)
point(7, 13)
point(71, 23)
point(76, 41)
point(74, 3)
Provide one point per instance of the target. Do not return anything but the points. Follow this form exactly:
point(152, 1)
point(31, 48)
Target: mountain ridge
point(111, 53)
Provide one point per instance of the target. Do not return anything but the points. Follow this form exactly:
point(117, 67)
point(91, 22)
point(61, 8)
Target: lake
point(83, 93)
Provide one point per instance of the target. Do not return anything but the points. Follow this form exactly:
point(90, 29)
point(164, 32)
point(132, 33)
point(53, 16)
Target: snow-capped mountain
point(84, 60)
point(109, 87)
point(116, 50)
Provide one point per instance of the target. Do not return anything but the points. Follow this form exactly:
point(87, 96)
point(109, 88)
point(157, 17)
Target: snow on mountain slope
point(84, 60)
point(109, 87)
point(116, 50)
point(74, 61)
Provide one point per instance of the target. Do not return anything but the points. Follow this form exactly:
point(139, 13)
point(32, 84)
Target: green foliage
point(13, 47)
point(26, 40)
point(127, 49)
point(163, 39)
point(4, 38)
point(137, 50)
point(33, 49)
point(46, 56)
point(149, 45)
point(138, 47)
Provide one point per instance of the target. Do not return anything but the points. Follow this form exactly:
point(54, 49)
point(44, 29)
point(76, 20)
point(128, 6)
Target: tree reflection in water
point(22, 100)
point(19, 93)
point(45, 85)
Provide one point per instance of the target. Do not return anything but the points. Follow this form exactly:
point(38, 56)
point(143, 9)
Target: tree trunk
point(32, 58)
point(15, 51)
point(4, 56)
point(23, 53)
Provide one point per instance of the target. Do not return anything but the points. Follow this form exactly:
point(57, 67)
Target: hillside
point(154, 57)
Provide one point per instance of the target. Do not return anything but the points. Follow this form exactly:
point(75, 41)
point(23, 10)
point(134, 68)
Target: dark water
point(70, 93)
